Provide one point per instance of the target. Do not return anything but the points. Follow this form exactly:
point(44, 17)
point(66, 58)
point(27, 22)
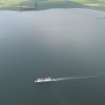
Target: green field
point(45, 4)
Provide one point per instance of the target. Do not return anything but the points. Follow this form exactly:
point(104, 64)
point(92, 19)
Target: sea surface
point(56, 43)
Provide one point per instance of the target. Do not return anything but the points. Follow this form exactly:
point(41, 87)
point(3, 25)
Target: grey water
point(56, 43)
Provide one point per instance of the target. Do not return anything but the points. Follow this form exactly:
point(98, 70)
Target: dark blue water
point(57, 43)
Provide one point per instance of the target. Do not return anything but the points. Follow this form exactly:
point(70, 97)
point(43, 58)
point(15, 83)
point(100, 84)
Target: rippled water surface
point(57, 43)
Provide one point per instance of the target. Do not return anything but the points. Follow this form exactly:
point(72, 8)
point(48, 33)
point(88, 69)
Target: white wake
point(49, 79)
point(73, 78)
point(79, 77)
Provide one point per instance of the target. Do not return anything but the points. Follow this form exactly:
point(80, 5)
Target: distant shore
point(26, 5)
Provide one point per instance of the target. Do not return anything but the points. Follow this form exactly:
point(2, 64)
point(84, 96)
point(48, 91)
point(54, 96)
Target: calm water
point(57, 42)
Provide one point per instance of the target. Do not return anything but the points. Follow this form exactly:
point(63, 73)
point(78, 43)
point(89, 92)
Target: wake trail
point(74, 78)
point(77, 78)
point(49, 79)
